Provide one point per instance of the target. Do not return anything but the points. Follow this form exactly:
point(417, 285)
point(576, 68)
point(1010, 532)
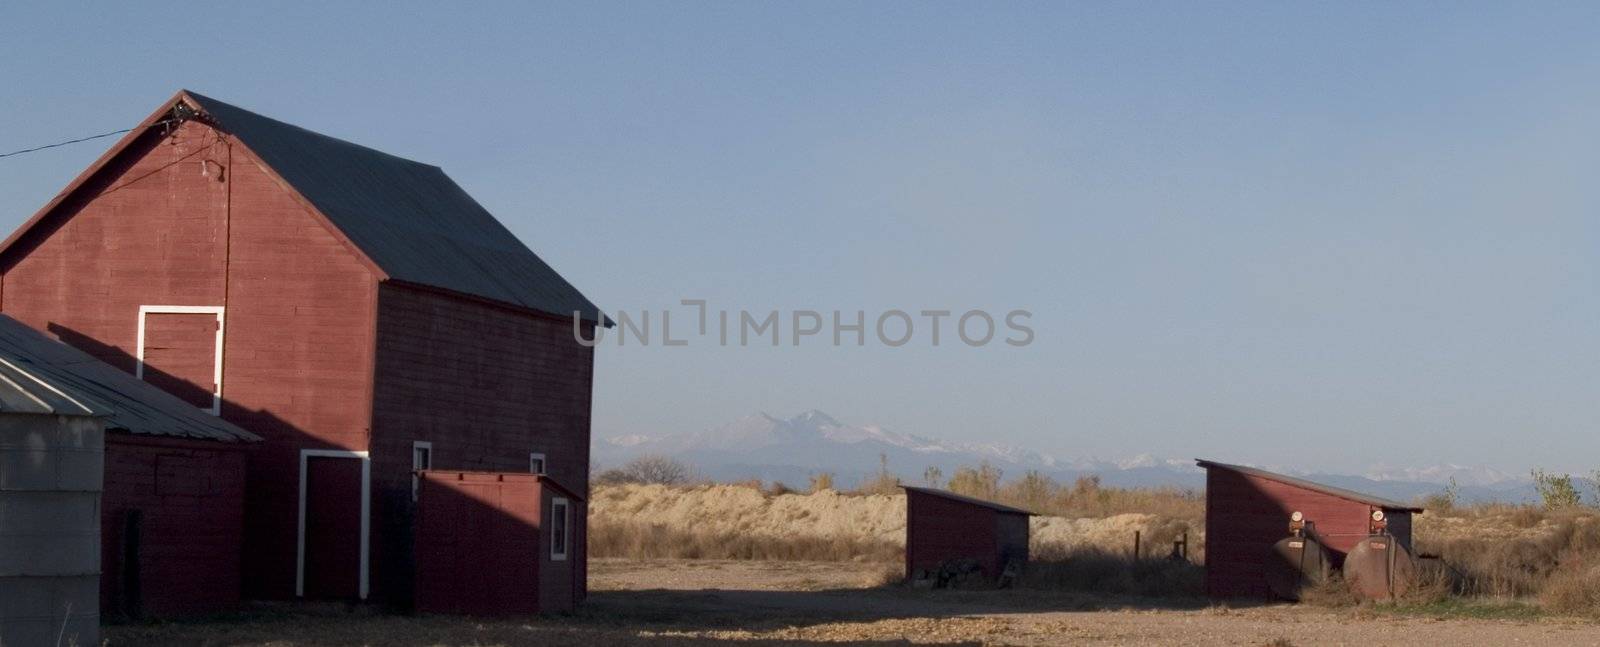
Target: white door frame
point(366, 514)
point(216, 376)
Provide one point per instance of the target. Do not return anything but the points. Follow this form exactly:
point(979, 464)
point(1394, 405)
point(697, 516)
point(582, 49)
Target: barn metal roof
point(41, 375)
point(409, 218)
point(1350, 495)
point(967, 499)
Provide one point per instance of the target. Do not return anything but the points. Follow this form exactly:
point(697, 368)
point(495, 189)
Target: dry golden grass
point(1115, 573)
point(648, 541)
point(743, 522)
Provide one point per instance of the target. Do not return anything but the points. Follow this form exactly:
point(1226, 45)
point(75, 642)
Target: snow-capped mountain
point(790, 450)
point(770, 448)
point(1461, 474)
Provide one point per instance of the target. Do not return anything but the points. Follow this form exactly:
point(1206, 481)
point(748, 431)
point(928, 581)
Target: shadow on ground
point(880, 616)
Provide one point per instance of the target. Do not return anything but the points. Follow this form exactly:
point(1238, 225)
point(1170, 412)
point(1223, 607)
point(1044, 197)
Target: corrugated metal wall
point(51, 471)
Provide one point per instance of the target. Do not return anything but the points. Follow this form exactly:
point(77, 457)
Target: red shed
point(357, 310)
point(945, 527)
point(1248, 510)
point(172, 507)
point(497, 544)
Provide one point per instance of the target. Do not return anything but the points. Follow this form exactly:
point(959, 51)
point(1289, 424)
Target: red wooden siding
point(180, 355)
point(1246, 514)
point(483, 545)
point(939, 530)
point(297, 363)
point(297, 359)
point(153, 234)
point(486, 385)
point(191, 499)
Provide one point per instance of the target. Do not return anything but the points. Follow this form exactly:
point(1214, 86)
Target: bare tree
point(655, 469)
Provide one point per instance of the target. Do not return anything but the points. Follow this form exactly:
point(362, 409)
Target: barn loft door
point(180, 350)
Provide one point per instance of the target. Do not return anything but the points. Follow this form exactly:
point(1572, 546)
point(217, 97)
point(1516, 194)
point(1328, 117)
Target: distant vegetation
point(1543, 556)
point(1556, 491)
point(658, 470)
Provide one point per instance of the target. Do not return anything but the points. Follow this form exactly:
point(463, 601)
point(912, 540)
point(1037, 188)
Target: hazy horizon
point(1312, 235)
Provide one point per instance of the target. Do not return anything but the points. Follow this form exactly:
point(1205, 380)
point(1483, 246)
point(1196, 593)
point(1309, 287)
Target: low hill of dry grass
point(741, 522)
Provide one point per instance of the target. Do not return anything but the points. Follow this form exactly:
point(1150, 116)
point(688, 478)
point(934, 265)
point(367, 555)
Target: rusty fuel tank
point(1379, 568)
point(1296, 564)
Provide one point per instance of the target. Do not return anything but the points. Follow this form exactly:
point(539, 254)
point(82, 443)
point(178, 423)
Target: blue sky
point(1306, 235)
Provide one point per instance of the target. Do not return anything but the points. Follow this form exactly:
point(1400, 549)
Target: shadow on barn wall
point(393, 565)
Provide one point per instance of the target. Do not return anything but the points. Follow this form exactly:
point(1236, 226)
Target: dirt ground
point(797, 603)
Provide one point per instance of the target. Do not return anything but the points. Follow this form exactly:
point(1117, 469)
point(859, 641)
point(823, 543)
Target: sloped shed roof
point(24, 392)
point(1348, 495)
point(966, 499)
point(41, 375)
point(409, 218)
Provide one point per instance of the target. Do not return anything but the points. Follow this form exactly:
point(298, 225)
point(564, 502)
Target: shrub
point(1445, 500)
point(982, 482)
point(1574, 589)
point(1331, 592)
point(1556, 491)
point(880, 484)
point(821, 481)
point(883, 482)
point(1034, 491)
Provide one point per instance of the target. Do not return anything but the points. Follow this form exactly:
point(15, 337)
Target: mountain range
point(791, 450)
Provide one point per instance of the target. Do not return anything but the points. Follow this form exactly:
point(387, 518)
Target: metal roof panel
point(409, 218)
point(1330, 490)
point(967, 499)
point(74, 383)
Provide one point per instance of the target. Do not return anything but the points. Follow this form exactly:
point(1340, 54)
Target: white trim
point(560, 503)
point(366, 515)
point(544, 465)
point(415, 480)
point(216, 376)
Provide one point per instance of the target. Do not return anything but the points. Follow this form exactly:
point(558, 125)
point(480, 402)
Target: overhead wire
point(80, 139)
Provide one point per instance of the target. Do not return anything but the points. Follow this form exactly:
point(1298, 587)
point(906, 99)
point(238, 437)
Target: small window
point(421, 459)
point(536, 463)
point(560, 529)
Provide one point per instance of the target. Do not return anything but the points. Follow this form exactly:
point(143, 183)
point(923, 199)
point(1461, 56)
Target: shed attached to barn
point(1248, 510)
point(945, 529)
point(171, 518)
point(496, 544)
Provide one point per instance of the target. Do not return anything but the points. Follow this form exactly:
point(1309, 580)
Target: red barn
point(357, 310)
point(943, 528)
point(172, 505)
point(1247, 511)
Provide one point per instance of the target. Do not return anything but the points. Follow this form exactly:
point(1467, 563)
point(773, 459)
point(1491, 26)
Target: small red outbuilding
point(1248, 510)
point(944, 527)
point(172, 508)
point(497, 544)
